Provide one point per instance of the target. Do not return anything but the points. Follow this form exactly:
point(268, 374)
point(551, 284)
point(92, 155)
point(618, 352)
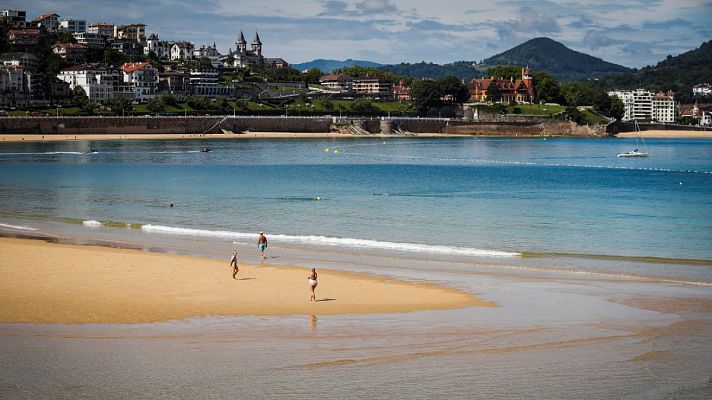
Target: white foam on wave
point(91, 223)
point(18, 227)
point(41, 153)
point(335, 242)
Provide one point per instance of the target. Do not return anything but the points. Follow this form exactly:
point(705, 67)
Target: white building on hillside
point(703, 89)
point(142, 77)
point(97, 83)
point(15, 18)
point(641, 104)
point(161, 48)
point(102, 28)
point(181, 51)
point(73, 25)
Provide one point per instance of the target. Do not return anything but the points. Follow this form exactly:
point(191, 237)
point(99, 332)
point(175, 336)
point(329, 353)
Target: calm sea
point(456, 198)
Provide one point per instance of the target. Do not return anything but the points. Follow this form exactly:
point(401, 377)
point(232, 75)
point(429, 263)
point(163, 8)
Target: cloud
point(675, 22)
point(596, 40)
point(368, 7)
point(335, 8)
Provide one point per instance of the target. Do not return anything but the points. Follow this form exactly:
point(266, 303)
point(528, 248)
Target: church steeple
point(241, 44)
point(257, 44)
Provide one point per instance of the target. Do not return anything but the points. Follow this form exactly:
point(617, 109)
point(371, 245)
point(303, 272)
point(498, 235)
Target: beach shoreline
point(667, 134)
point(76, 284)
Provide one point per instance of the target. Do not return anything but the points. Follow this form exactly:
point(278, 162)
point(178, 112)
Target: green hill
point(540, 54)
point(326, 66)
point(461, 69)
point(547, 55)
point(679, 74)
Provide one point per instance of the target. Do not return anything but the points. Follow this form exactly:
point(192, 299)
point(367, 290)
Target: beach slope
point(61, 283)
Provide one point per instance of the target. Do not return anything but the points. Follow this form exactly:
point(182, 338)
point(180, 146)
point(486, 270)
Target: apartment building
point(98, 83)
point(641, 104)
point(73, 25)
point(142, 76)
point(15, 18)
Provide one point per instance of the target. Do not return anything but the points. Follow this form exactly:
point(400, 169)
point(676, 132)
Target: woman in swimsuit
point(312, 283)
point(233, 264)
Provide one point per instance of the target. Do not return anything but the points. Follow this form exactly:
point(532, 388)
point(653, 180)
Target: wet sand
point(60, 283)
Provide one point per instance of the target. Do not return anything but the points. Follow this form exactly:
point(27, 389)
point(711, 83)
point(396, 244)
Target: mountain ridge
point(326, 66)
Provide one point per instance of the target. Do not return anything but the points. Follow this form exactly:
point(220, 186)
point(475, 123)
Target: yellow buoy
point(336, 151)
point(327, 149)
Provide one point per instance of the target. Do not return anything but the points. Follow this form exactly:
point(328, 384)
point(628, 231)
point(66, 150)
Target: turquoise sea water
point(461, 196)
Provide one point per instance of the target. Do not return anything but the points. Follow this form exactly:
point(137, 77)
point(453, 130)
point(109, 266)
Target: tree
point(424, 95)
point(577, 94)
point(155, 105)
point(617, 108)
point(364, 106)
point(494, 94)
point(312, 75)
point(451, 86)
point(546, 88)
point(118, 105)
point(505, 72)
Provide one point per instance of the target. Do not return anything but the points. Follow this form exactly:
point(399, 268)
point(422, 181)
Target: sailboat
point(636, 152)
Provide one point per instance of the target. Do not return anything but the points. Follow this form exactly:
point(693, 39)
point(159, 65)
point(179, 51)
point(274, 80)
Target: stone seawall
point(215, 124)
point(526, 129)
point(179, 125)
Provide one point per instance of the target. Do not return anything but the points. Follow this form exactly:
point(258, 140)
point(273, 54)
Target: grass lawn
point(535, 109)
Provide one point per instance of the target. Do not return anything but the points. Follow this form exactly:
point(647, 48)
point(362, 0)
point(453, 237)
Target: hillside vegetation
point(679, 74)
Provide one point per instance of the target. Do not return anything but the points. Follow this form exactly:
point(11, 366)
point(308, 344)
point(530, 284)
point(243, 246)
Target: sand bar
point(59, 283)
point(667, 134)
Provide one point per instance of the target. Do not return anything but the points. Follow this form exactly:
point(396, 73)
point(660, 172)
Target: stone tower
point(241, 44)
point(257, 45)
point(527, 79)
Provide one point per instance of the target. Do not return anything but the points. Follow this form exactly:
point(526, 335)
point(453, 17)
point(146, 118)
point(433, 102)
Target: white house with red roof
point(143, 77)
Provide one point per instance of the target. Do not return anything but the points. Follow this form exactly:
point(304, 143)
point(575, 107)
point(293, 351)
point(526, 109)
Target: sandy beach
point(667, 134)
point(59, 283)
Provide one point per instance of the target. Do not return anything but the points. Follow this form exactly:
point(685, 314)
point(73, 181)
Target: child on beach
point(312, 283)
point(233, 264)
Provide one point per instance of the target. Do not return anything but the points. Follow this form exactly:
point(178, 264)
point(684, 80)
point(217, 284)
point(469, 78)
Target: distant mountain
point(462, 69)
point(679, 74)
point(326, 66)
point(540, 54)
point(547, 55)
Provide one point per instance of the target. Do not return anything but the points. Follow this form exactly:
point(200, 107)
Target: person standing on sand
point(312, 283)
point(233, 264)
point(262, 244)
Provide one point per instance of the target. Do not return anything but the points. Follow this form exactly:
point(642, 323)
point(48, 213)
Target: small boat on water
point(204, 150)
point(633, 153)
point(636, 153)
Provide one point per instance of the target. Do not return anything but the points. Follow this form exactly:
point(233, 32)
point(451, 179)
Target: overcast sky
point(631, 33)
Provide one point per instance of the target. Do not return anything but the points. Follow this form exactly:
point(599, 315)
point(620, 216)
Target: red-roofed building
point(142, 76)
point(50, 21)
point(517, 90)
point(401, 91)
point(26, 37)
point(73, 53)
